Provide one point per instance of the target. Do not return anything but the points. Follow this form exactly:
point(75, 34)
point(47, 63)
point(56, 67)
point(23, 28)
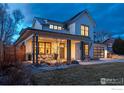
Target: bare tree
point(100, 36)
point(9, 23)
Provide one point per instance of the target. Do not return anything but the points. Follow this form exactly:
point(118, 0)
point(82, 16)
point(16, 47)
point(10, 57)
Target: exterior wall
point(83, 19)
point(78, 51)
point(72, 28)
point(37, 25)
point(28, 45)
point(72, 50)
point(46, 27)
point(91, 51)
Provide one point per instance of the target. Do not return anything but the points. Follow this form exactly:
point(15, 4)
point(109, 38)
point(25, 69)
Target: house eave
point(44, 33)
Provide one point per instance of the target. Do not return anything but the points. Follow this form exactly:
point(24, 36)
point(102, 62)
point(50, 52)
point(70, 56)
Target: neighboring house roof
point(43, 20)
point(109, 40)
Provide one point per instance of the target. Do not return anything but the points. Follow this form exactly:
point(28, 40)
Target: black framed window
point(44, 48)
point(86, 49)
point(84, 30)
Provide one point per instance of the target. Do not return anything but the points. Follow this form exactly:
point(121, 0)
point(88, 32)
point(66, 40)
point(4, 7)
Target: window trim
point(51, 25)
point(60, 27)
point(57, 27)
point(84, 49)
point(45, 47)
point(84, 30)
point(54, 27)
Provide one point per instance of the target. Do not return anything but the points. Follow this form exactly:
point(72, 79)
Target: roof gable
point(77, 16)
point(74, 18)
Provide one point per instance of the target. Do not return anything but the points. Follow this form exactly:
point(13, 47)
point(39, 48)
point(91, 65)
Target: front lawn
point(80, 75)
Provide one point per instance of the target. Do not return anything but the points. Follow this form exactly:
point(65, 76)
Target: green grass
point(80, 75)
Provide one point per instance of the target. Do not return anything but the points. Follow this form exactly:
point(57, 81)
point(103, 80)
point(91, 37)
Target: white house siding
point(78, 51)
point(72, 28)
point(91, 51)
point(72, 50)
point(37, 25)
point(83, 20)
point(28, 45)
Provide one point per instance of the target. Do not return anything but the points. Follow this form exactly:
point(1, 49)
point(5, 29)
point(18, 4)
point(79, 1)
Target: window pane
point(82, 27)
point(55, 27)
point(86, 33)
point(41, 48)
point(51, 26)
point(86, 28)
point(48, 48)
point(82, 30)
point(86, 50)
point(59, 28)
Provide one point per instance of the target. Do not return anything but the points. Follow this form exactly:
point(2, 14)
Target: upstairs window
point(51, 26)
point(84, 30)
point(55, 27)
point(59, 28)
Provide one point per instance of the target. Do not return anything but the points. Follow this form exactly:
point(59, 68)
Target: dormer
point(49, 25)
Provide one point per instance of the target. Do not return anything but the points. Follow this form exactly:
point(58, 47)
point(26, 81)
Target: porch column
point(33, 45)
point(37, 50)
point(68, 51)
point(82, 50)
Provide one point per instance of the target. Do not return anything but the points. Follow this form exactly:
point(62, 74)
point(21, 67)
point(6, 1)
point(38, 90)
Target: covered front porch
point(52, 47)
point(52, 50)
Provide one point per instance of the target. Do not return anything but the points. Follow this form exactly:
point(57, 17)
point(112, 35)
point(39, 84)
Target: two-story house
point(50, 40)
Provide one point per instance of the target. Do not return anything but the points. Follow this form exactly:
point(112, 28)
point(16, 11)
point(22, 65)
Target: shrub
point(118, 46)
point(17, 74)
point(74, 62)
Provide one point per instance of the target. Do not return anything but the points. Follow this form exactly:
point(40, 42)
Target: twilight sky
point(108, 17)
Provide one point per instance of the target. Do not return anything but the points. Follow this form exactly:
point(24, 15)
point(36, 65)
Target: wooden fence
point(11, 53)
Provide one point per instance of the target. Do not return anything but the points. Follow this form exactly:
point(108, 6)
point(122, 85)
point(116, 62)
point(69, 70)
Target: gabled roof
point(109, 39)
point(42, 20)
point(80, 13)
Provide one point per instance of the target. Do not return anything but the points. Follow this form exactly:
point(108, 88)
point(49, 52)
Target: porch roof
point(44, 33)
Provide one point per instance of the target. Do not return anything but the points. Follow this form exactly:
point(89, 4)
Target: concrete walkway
point(101, 61)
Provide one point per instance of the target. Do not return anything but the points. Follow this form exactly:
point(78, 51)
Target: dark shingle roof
point(41, 20)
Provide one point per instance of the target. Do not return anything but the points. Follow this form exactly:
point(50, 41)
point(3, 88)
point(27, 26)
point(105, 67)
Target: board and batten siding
point(75, 26)
point(72, 28)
